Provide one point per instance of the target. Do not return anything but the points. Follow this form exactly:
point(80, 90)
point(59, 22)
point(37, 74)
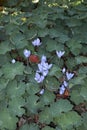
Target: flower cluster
point(43, 69)
point(64, 85)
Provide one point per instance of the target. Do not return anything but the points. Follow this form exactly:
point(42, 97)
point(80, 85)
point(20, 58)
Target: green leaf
point(29, 127)
point(60, 106)
point(7, 121)
point(52, 83)
point(15, 89)
point(52, 45)
point(18, 40)
point(81, 59)
point(55, 71)
point(47, 128)
point(11, 70)
point(3, 83)
point(76, 97)
point(33, 105)
point(83, 93)
point(32, 88)
point(67, 120)
point(45, 116)
point(47, 98)
point(75, 46)
point(5, 47)
point(16, 106)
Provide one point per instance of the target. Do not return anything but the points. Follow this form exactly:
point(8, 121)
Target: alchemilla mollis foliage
point(43, 65)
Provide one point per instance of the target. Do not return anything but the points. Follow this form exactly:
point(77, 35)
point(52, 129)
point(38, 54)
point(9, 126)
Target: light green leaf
point(52, 83)
point(11, 70)
point(67, 120)
point(18, 40)
point(5, 47)
point(29, 127)
point(75, 46)
point(52, 45)
point(15, 89)
point(83, 93)
point(60, 106)
point(47, 128)
point(33, 105)
point(45, 116)
point(47, 98)
point(15, 106)
point(81, 59)
point(7, 121)
point(76, 97)
point(3, 83)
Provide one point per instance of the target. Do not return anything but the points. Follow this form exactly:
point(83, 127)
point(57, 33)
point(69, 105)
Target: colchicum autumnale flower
point(69, 75)
point(43, 69)
point(36, 42)
point(60, 53)
point(27, 53)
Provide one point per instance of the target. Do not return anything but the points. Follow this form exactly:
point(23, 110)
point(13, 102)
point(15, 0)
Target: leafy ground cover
point(43, 65)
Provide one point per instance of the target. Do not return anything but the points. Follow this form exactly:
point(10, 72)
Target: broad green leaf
point(5, 47)
point(47, 98)
point(29, 127)
point(11, 70)
point(1, 72)
point(3, 83)
point(33, 105)
point(18, 40)
point(55, 71)
point(45, 116)
point(72, 22)
point(77, 81)
point(52, 83)
point(15, 89)
point(7, 120)
point(83, 70)
point(67, 120)
point(32, 88)
point(81, 59)
point(60, 106)
point(83, 92)
point(75, 46)
point(48, 128)
point(76, 97)
point(16, 106)
point(52, 45)
point(43, 32)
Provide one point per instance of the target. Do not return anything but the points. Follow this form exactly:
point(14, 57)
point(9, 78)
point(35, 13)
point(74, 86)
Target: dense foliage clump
point(43, 65)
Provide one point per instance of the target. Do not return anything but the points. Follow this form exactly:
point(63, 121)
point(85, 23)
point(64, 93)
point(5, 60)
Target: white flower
point(36, 42)
point(39, 78)
point(13, 61)
point(27, 53)
point(41, 92)
point(65, 83)
point(63, 70)
point(62, 89)
point(60, 53)
point(69, 75)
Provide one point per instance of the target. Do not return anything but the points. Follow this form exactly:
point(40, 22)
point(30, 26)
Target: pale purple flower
point(36, 42)
point(43, 59)
point(69, 75)
point(41, 92)
point(62, 89)
point(27, 53)
point(65, 83)
point(39, 78)
point(13, 61)
point(60, 53)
